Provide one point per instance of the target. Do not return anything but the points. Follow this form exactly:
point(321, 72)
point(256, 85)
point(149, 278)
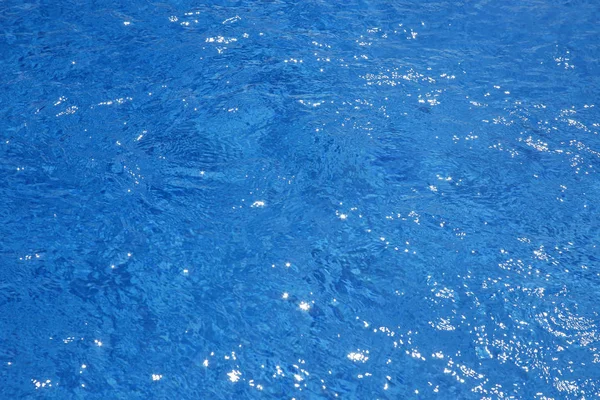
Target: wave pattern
point(299, 199)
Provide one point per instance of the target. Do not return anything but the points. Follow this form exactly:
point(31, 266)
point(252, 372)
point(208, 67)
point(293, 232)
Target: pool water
point(299, 199)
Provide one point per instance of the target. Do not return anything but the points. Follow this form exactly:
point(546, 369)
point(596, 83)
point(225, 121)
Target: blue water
point(299, 199)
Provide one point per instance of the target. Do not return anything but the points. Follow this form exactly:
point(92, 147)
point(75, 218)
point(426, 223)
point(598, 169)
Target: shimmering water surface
point(299, 199)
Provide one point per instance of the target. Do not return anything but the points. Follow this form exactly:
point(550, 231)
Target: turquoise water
point(299, 199)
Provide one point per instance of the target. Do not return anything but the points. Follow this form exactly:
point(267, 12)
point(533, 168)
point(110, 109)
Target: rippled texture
point(301, 199)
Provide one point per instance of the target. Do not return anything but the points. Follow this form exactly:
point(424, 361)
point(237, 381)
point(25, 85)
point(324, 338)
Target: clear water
point(299, 199)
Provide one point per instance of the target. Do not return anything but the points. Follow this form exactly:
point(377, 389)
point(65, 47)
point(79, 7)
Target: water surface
point(299, 199)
